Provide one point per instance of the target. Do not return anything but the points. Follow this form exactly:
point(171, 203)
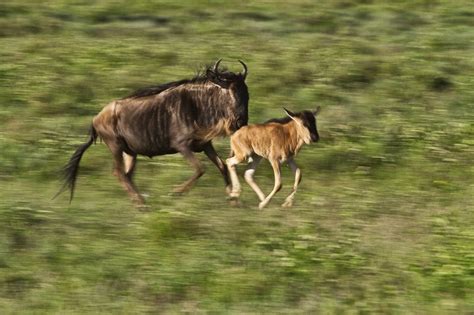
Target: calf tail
point(71, 168)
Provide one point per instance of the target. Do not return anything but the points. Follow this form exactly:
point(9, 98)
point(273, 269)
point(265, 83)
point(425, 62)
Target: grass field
point(383, 221)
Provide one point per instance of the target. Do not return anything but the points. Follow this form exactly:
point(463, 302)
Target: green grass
point(383, 219)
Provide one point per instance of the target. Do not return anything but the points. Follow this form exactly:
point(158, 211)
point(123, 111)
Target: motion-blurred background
point(383, 219)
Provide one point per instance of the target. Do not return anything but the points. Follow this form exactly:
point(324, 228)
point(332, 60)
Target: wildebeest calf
point(277, 140)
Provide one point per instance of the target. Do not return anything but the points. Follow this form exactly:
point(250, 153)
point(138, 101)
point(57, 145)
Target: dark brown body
point(151, 126)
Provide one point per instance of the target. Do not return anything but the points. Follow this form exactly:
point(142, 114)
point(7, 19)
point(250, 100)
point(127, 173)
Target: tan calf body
point(275, 141)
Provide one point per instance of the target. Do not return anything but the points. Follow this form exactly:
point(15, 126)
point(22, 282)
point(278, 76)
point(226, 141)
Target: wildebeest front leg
point(289, 200)
point(212, 155)
point(199, 170)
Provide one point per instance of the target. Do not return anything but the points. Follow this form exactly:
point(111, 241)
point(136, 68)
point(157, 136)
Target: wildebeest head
point(236, 83)
point(307, 119)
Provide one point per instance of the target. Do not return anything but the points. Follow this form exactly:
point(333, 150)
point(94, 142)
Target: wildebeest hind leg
point(123, 169)
point(199, 170)
point(130, 161)
point(212, 155)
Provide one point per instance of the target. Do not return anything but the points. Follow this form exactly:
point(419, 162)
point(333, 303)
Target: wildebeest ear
point(316, 111)
point(214, 77)
point(210, 73)
point(213, 72)
point(289, 113)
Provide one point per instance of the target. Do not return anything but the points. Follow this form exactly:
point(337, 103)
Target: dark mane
point(206, 74)
point(282, 121)
point(157, 89)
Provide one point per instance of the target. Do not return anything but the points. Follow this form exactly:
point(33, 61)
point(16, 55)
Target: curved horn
point(316, 111)
point(244, 74)
point(216, 66)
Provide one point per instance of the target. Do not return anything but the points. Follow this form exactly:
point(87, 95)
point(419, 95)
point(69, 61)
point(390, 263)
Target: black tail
point(71, 168)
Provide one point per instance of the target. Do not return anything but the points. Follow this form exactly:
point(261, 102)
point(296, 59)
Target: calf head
point(306, 121)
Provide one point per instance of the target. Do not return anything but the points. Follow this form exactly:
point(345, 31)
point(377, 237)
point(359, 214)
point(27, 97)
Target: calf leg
point(249, 176)
point(231, 163)
point(276, 187)
point(198, 168)
point(212, 155)
point(289, 200)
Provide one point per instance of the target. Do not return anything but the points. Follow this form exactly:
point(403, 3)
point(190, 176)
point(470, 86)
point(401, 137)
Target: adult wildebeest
point(182, 116)
point(277, 140)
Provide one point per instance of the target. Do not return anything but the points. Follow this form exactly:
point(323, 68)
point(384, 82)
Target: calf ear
point(289, 113)
point(316, 111)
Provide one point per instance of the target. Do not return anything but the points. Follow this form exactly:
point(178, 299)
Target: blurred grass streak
point(383, 220)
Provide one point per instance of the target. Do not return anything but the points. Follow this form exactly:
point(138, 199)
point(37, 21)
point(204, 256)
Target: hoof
point(179, 190)
point(138, 200)
point(262, 205)
point(183, 187)
point(143, 208)
point(287, 204)
point(234, 194)
point(234, 202)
